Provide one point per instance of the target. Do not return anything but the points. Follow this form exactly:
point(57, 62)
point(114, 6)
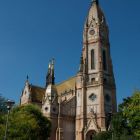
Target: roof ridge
point(36, 86)
point(66, 80)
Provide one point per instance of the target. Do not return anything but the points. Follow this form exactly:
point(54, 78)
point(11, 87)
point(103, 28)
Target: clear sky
point(33, 31)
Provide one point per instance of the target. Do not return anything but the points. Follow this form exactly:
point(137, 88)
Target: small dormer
point(50, 99)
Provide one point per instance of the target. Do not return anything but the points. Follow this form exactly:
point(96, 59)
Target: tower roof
point(95, 13)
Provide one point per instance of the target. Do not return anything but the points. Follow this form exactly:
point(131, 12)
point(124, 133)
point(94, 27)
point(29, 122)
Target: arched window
point(92, 59)
point(104, 60)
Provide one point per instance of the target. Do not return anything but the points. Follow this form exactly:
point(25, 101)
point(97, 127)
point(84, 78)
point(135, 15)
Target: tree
point(103, 136)
point(28, 123)
point(127, 121)
point(131, 111)
point(2, 125)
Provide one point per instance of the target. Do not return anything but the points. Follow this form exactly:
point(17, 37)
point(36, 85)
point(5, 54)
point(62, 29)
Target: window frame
point(92, 53)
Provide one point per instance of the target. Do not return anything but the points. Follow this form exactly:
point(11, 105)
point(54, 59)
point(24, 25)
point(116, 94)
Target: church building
point(80, 106)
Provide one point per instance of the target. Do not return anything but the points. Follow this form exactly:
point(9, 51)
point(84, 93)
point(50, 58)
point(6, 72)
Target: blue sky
point(33, 31)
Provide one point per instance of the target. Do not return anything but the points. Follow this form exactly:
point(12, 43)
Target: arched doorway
point(90, 135)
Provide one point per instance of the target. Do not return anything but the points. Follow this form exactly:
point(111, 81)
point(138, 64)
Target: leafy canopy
point(130, 110)
point(27, 122)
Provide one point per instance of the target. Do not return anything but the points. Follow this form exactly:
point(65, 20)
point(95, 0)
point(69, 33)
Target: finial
point(52, 64)
point(53, 60)
point(95, 1)
point(27, 80)
point(49, 64)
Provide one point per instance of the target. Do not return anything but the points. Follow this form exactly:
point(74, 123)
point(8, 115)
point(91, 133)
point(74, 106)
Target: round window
point(92, 32)
point(46, 108)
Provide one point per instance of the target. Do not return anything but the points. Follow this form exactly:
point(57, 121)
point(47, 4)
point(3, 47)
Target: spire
point(52, 71)
point(50, 79)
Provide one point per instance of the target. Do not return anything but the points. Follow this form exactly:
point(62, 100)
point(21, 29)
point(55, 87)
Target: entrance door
point(90, 135)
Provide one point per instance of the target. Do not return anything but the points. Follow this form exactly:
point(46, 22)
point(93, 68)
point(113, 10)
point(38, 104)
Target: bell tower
point(96, 90)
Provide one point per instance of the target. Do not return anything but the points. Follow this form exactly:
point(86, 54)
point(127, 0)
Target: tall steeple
point(50, 78)
point(96, 91)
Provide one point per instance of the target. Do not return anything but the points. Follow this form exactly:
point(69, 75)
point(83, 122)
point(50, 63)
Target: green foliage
point(131, 110)
point(28, 123)
point(2, 125)
point(126, 123)
point(109, 135)
point(103, 136)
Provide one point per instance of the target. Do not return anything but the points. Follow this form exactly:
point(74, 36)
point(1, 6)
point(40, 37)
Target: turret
point(50, 99)
point(50, 93)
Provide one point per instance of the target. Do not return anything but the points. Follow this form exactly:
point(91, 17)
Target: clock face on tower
point(92, 32)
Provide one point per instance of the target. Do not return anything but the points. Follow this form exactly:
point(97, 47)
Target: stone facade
point(79, 107)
